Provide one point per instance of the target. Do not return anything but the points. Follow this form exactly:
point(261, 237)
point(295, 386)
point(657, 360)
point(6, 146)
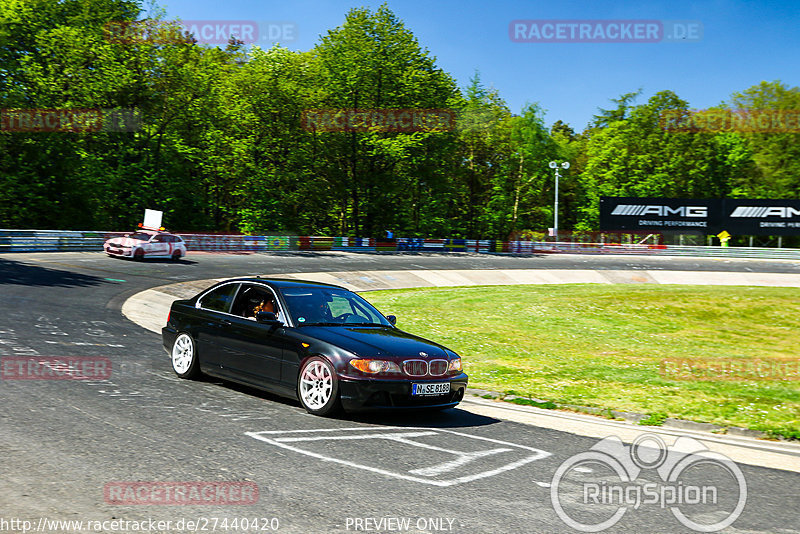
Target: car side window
point(254, 298)
point(219, 299)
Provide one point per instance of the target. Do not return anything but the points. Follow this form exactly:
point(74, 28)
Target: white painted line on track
point(403, 435)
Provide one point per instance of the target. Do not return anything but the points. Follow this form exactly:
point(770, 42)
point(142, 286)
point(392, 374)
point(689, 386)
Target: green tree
point(524, 185)
point(776, 154)
point(483, 150)
point(380, 179)
point(636, 156)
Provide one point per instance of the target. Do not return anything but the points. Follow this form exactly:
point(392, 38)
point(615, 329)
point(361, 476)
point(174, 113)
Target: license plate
point(437, 388)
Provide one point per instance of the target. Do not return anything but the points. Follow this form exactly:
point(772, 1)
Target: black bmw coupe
point(319, 343)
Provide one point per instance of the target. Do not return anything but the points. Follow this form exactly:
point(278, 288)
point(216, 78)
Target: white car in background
point(146, 244)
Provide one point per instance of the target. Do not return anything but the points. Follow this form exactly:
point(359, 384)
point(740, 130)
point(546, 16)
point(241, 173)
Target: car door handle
point(225, 322)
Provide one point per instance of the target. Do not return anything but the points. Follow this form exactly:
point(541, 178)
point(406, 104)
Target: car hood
point(375, 341)
point(123, 241)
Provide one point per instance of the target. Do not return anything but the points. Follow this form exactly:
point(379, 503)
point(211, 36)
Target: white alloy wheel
point(317, 387)
point(184, 357)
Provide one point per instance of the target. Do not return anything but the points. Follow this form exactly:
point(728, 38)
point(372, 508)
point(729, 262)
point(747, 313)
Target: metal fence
point(62, 240)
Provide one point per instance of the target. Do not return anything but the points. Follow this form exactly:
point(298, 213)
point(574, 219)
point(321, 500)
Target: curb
point(632, 417)
point(742, 449)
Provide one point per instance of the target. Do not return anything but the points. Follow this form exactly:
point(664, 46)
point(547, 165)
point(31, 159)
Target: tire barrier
point(63, 241)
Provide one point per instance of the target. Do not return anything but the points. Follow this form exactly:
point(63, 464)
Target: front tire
point(138, 254)
point(318, 388)
point(184, 357)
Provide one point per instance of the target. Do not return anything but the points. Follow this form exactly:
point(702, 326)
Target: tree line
point(222, 140)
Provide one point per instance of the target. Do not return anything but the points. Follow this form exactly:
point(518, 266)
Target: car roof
point(285, 282)
point(152, 232)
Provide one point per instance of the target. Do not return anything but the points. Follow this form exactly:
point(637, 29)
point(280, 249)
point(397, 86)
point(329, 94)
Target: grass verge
point(604, 345)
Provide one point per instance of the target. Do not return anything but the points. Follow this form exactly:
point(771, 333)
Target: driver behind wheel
point(264, 306)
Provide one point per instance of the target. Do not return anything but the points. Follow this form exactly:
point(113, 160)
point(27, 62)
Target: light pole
point(554, 165)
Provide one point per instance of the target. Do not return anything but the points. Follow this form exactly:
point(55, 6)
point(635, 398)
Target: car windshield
point(313, 306)
point(139, 236)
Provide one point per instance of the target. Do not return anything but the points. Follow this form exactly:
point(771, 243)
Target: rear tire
point(318, 387)
point(176, 256)
point(184, 357)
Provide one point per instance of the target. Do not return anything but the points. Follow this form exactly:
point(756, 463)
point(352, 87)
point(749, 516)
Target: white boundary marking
point(462, 457)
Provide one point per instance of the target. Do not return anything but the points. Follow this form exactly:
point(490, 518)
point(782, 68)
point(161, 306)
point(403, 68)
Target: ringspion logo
point(704, 490)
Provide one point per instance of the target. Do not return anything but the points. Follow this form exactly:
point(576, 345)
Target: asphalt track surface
point(64, 441)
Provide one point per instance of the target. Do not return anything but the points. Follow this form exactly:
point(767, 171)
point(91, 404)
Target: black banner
point(706, 216)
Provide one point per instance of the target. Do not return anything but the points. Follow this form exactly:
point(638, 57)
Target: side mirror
point(392, 319)
point(265, 317)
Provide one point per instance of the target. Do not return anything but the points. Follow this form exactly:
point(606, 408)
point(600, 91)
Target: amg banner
point(706, 216)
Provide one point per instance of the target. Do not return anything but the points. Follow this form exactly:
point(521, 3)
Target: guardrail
point(52, 240)
point(63, 240)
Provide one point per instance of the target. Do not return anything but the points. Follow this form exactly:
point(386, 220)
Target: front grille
point(415, 367)
point(437, 367)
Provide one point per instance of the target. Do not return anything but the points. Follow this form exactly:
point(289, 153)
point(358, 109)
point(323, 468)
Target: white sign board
point(152, 219)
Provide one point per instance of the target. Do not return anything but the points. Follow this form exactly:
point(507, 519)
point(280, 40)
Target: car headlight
point(455, 365)
point(375, 366)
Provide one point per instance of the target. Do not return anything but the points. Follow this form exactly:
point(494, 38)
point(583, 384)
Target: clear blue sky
point(743, 43)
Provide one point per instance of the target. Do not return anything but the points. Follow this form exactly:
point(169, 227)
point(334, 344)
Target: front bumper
point(112, 250)
point(367, 394)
